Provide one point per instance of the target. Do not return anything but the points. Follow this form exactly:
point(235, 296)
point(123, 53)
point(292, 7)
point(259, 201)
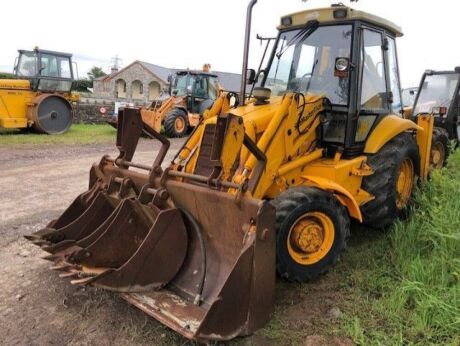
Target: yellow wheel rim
point(404, 183)
point(310, 238)
point(437, 155)
point(179, 124)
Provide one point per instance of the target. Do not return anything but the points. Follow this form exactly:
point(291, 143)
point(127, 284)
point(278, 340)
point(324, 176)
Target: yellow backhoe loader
point(40, 96)
point(192, 93)
point(270, 185)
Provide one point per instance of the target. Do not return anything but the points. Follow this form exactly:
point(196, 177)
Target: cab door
point(375, 99)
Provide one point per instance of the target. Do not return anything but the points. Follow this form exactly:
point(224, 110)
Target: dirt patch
point(37, 307)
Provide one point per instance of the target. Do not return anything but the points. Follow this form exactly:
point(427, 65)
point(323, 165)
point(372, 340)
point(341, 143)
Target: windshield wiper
point(300, 36)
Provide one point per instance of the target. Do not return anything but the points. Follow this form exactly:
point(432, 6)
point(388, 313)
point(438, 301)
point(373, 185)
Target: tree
point(96, 72)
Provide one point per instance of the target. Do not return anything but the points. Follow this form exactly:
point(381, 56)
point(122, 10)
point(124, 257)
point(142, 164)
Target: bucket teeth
point(62, 267)
point(41, 243)
point(52, 258)
point(69, 275)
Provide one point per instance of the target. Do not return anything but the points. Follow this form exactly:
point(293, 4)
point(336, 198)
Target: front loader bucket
point(225, 286)
point(141, 249)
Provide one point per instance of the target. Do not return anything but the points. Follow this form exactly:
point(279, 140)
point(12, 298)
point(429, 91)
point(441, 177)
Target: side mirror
point(250, 76)
point(259, 74)
point(170, 78)
point(174, 92)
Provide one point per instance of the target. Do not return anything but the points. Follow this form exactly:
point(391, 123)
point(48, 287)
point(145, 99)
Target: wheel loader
point(438, 94)
point(40, 97)
point(192, 94)
point(268, 186)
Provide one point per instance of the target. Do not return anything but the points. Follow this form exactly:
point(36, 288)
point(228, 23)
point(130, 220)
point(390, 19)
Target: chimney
point(207, 68)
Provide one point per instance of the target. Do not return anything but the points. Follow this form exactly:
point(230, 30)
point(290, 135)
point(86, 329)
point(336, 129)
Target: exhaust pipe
point(247, 40)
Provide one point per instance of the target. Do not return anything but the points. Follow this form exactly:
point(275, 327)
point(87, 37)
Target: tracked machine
point(268, 186)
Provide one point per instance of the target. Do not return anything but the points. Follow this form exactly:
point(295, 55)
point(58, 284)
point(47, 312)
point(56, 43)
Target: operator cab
point(347, 56)
point(438, 94)
point(47, 71)
point(199, 88)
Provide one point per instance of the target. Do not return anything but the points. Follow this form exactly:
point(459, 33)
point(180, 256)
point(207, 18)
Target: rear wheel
point(312, 228)
point(176, 123)
point(395, 168)
point(439, 148)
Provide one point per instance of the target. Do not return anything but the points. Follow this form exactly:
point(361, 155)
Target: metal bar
point(203, 179)
point(121, 162)
point(246, 50)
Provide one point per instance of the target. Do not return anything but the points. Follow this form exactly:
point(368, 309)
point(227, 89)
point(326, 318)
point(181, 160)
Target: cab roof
point(326, 16)
point(193, 72)
point(43, 51)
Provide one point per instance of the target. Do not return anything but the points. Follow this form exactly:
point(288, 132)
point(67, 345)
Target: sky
point(189, 33)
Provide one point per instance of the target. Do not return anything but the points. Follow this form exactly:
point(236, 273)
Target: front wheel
point(439, 148)
point(176, 123)
point(312, 229)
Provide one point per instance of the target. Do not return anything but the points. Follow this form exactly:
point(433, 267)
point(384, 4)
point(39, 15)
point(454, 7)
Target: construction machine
point(438, 94)
point(268, 186)
point(40, 97)
point(192, 93)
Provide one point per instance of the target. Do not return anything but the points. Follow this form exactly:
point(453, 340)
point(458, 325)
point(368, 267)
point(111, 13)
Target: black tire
point(440, 142)
point(174, 115)
point(383, 210)
point(290, 206)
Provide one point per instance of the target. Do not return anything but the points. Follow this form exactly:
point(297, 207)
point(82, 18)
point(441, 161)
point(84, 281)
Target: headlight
point(341, 64)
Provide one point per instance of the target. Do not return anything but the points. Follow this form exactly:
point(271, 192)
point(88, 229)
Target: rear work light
point(340, 13)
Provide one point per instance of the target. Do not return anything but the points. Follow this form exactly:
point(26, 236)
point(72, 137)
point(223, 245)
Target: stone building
point(141, 82)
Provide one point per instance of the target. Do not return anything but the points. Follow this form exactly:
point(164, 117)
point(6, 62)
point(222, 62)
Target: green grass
point(405, 285)
point(77, 134)
point(400, 287)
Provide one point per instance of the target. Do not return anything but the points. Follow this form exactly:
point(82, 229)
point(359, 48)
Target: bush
point(82, 85)
point(4, 75)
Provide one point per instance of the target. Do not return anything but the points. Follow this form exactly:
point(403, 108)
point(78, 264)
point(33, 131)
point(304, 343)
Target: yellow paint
point(404, 183)
point(311, 238)
point(387, 129)
point(344, 195)
point(424, 137)
point(231, 146)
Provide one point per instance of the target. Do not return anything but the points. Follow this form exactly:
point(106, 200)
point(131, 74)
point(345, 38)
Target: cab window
point(373, 83)
point(396, 106)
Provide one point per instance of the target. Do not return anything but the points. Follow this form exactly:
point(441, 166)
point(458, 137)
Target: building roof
point(229, 81)
point(159, 71)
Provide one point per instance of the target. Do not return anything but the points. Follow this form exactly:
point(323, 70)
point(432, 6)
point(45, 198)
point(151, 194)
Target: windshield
point(27, 65)
point(437, 91)
point(408, 96)
point(305, 62)
point(182, 81)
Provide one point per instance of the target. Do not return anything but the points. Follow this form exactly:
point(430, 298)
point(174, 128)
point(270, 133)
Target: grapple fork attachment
point(141, 249)
point(88, 211)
